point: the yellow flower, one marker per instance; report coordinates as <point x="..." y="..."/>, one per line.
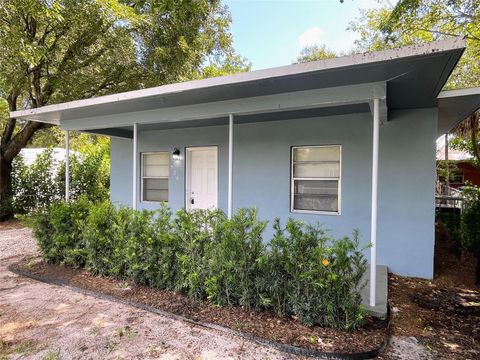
<point x="325" y="262"/>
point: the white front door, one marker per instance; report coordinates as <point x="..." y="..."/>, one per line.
<point x="202" y="178"/>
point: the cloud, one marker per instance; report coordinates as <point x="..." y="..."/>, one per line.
<point x="310" y="37"/>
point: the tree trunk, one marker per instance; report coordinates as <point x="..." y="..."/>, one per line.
<point x="6" y="193"/>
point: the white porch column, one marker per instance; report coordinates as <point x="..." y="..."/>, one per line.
<point x="230" y="166"/>
<point x="134" y="172"/>
<point x="373" y="227"/>
<point x="67" y="165"/>
<point x="447" y="166"/>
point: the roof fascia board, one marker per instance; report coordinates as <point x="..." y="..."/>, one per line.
<point x="327" y="97"/>
<point x="459" y="92"/>
<point x="283" y="71"/>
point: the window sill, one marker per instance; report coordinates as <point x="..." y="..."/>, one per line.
<point x="153" y="202"/>
<point x="313" y="212"/>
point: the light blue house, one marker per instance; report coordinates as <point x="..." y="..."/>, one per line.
<point x="347" y="142"/>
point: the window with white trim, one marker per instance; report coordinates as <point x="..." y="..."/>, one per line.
<point x="316" y="175"/>
<point x="155" y="168"/>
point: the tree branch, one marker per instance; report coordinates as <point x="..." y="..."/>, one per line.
<point x="21" y="139"/>
<point x="10" y="127"/>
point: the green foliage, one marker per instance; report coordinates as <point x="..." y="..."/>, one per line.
<point x="470" y="224"/>
<point x="446" y="169"/>
<point x="233" y="260"/>
<point x="418" y="21"/>
<point x="314" y="53"/>
<point x="451" y="221"/>
<point x="464" y="227"/>
<point x="59" y="231"/>
<point x="467" y="137"/>
<point x="105" y="249"/>
<point x="43" y="182"/>
<point x="302" y="272"/>
<point x="315" y="277"/>
<point x="61" y="50"/>
<point x="35" y="186"/>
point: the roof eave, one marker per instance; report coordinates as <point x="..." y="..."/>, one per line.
<point x="51" y="113"/>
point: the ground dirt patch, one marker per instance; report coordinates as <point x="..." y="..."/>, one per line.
<point x="262" y="324"/>
<point x="444" y="314"/>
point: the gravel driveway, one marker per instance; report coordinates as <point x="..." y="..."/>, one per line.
<point x="40" y="321"/>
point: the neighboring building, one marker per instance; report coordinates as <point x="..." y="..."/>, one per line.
<point x="296" y="141"/>
<point x="29" y="155"/>
<point x="462" y="170"/>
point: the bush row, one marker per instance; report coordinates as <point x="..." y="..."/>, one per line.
<point x="302" y="272"/>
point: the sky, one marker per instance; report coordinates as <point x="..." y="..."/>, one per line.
<point x="271" y="33"/>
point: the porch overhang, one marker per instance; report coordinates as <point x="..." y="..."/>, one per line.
<point x="331" y="86"/>
<point x="456" y="105"/>
<point x="336" y="100"/>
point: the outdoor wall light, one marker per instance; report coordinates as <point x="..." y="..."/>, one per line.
<point x="176" y="154"/>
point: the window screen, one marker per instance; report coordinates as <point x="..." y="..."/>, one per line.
<point x="316" y="178"/>
<point x="155" y="167"/>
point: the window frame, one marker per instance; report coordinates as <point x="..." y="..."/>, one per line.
<point x="292" y="182"/>
<point x="142" y="176"/>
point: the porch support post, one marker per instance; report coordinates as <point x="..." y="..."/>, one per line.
<point x="230" y="166"/>
<point x="134" y="172"/>
<point x="373" y="227"/>
<point x="67" y="165"/>
<point x="447" y="166"/>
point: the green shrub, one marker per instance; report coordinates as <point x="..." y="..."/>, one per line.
<point x="192" y="231"/>
<point x="302" y="272"/>
<point x="451" y="220"/>
<point x="140" y="245"/>
<point x="43" y="182"/>
<point x="232" y="260"/>
<point x="103" y="241"/>
<point x="35" y="186"/>
<point x="314" y="277"/>
<point x="470" y="224"/>
<point x="59" y="231"/>
<point x="163" y="262"/>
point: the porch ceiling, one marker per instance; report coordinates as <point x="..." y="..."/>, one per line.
<point x="398" y="69"/>
<point x="127" y="131"/>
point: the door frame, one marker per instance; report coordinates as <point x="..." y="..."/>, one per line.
<point x="188" y="152"/>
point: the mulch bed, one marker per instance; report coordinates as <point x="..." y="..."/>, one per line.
<point x="265" y="325"/>
<point x="444" y="314"/>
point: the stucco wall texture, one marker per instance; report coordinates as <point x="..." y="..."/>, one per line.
<point x="261" y="176"/>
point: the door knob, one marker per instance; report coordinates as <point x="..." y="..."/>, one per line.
<point x="192" y="201"/>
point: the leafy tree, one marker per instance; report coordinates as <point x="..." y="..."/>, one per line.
<point x="467" y="137"/>
<point x="315" y="52"/>
<point x="60" y="50"/>
<point x="419" y="21"/>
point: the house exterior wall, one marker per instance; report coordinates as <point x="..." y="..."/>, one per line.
<point x="262" y="176"/>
